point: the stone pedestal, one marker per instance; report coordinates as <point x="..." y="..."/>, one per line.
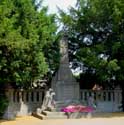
<point x="64" y="84"/>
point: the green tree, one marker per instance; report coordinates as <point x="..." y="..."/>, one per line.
<point x="97" y="26"/>
<point x="25" y="31"/>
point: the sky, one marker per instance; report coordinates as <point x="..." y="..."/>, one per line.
<point x="62" y="4"/>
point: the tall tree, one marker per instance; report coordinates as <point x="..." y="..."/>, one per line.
<point x="25" y="31"/>
<point x="97" y="28"/>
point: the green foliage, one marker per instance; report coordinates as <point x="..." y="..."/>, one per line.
<point x="3" y="103"/>
<point x="25" y="31"/>
<point x="97" y="27"/>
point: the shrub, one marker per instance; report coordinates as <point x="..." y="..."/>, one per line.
<point x="3" y="103"/>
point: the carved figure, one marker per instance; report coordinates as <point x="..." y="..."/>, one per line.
<point x="48" y="100"/>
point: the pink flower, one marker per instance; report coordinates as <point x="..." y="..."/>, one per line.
<point x="78" y="108"/>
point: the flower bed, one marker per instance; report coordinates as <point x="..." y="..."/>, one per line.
<point x="77" y="108"/>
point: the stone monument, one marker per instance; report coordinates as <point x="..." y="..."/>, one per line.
<point x="46" y="100"/>
<point x="64" y="84"/>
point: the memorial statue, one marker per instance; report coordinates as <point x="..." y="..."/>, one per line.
<point x="48" y="102"/>
<point x="51" y="103"/>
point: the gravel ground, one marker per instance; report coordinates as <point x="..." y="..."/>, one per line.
<point x="30" y="120"/>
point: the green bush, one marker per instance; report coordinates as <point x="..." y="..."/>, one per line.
<point x="3" y="104"/>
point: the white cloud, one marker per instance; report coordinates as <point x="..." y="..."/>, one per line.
<point x="63" y="4"/>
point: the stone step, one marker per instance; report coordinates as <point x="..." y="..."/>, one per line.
<point x="48" y="113"/>
<point x="56" y="117"/>
<point x="39" y="115"/>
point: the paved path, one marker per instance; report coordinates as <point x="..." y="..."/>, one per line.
<point x="30" y="120"/>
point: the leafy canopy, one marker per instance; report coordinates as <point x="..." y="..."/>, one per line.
<point x="25" y="31"/>
<point x="96" y="31"/>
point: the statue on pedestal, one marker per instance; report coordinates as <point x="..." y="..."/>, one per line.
<point x="48" y="101"/>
